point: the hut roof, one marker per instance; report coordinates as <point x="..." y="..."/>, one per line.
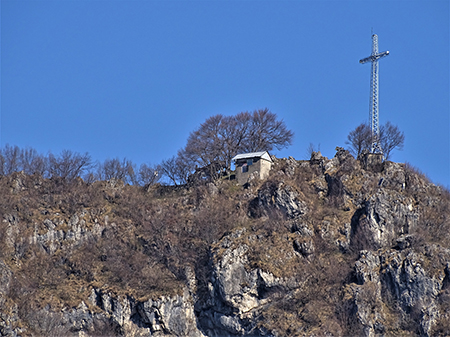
<point x="263" y="154"/>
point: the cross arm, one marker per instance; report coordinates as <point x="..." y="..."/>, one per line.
<point x="375" y="57"/>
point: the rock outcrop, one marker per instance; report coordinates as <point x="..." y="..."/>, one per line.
<point x="166" y="316"/>
<point x="323" y="247"/>
<point x="276" y="196"/>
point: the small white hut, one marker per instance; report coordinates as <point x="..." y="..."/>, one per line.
<point x="259" y="163"/>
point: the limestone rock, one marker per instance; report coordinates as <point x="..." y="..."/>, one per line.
<point x="168" y="316"/>
<point x="394" y="277"/>
<point x="8" y="318"/>
<point x="325" y="247"/>
<point x="277" y="196"/>
<point x="385" y="216"/>
<point x="318" y="159"/>
<point x="237" y="291"/>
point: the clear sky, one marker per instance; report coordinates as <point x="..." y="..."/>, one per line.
<point x="133" y="78"/>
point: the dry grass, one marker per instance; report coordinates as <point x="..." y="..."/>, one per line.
<point x="148" y="238"/>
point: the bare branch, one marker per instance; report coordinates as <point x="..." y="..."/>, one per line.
<point x="391" y="138"/>
<point x="148" y="175"/>
<point x="68" y="164"/>
<point x="360" y="139"/>
<point x="220" y="137"/>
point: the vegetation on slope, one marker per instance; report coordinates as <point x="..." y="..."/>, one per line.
<point x="60" y="238"/>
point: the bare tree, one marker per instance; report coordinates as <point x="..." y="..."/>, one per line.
<point x="2" y="164"/>
<point x="32" y="162"/>
<point x="176" y="169"/>
<point x="206" y="145"/>
<point x="117" y="169"/>
<point x="220" y="137"/>
<point x="360" y="139"/>
<point x="391" y="138"/>
<point x="267" y="133"/>
<point x="148" y="175"/>
<point x="14" y="159"/>
<point x="10" y="159"/>
<point x="68" y="164"/>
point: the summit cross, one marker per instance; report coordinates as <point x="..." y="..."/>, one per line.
<point x="374" y="57"/>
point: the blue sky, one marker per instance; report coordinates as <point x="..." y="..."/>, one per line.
<point x="133" y="78"/>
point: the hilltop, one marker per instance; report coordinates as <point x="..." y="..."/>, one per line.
<point x="322" y="247"/>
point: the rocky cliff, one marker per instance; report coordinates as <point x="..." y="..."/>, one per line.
<point x="324" y="247"/>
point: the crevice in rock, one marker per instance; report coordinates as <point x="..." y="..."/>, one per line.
<point x="446" y="280"/>
<point x="358" y="238"/>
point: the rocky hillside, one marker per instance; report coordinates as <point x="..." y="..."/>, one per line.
<point x="325" y="247"/>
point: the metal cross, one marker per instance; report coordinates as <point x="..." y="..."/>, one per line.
<point x="374" y="57"/>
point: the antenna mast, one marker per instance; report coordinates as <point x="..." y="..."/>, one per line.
<point x="374" y="57"/>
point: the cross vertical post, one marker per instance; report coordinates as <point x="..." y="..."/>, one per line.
<point x="373" y="58"/>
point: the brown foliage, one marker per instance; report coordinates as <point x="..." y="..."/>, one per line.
<point x="149" y="238"/>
